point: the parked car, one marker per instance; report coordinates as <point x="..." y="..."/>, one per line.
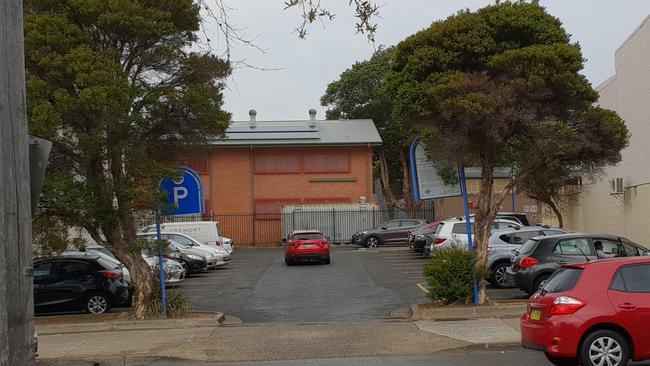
<point x="391" y="232"/>
<point x="539" y="257"/>
<point x="95" y="251"/>
<point x="453" y="232"/>
<point x="174" y="271"/>
<point x="193" y="260"/>
<point x="83" y="282"/>
<point x="305" y="245"/>
<point x="502" y="247"/>
<point x="594" y="313"/>
<point x="417" y="238"/>
<point x="217" y="256"/>
<point x="206" y="232"/>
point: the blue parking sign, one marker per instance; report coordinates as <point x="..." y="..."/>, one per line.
<point x="187" y="195"/>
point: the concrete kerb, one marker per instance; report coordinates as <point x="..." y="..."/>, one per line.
<point x="430" y="311"/>
<point x="197" y="320"/>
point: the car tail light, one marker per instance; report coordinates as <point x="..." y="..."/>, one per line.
<point x="440" y="240"/>
<point x="566" y="305"/>
<point x="168" y="255"/>
<point x="218" y="243"/>
<point x="527" y="262"/>
<point x="489" y="249"/>
<point x="111" y="274"/>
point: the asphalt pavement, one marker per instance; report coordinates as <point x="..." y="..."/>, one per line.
<point x="358" y="286"/>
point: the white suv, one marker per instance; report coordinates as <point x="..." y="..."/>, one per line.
<point x="453" y="232"/>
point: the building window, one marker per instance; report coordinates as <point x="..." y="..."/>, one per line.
<point x="270" y="209"/>
<point x="269" y="163"/>
<point x="327" y="163"/>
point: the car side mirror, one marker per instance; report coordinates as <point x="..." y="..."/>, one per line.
<point x="384" y="228"/>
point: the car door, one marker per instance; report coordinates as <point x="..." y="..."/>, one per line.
<point x="390" y="231"/>
<point x="572" y="250"/>
<point x="75" y="279"/>
<point x="611" y="247"/>
<point x="630" y="296"/>
<point x="44" y="275"/>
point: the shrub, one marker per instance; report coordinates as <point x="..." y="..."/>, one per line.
<point x="177" y="304"/>
<point x="450" y="275"/>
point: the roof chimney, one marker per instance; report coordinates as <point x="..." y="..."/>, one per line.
<point x="312" y="118"/>
<point x="253" y="118"/>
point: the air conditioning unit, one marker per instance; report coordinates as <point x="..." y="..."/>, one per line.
<point x="616" y="186"/>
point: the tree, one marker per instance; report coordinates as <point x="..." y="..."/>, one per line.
<point x="360" y="92"/>
<point x="501" y="86"/>
<point x="114" y="86"/>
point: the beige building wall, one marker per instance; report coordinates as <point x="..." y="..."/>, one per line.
<point x="627" y="93"/>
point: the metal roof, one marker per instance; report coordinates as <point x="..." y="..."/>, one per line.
<point x="353" y="132"/>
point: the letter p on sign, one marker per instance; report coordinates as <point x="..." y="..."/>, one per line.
<point x="179" y="193"/>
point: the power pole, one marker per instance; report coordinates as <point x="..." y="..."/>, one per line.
<point x="16" y="293"/>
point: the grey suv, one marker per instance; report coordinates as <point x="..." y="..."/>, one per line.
<point x="391" y="232"/>
<point x="539" y="257"/>
<point x="502" y="246"/>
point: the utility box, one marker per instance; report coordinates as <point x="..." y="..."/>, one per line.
<point x="336" y="221"/>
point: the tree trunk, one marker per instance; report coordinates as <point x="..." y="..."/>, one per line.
<point x="485" y="214"/>
<point x="407" y="187"/>
<point x="557" y="213"/>
<point x="142" y="279"/>
<point x="385" y="180"/>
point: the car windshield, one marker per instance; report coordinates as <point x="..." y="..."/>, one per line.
<point x="307" y="236"/>
<point x="528" y="247"/>
<point x="563" y="280"/>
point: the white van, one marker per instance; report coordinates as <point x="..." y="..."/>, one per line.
<point x="207" y="232"/>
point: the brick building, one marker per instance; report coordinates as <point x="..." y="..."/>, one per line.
<point x="260" y="166"/>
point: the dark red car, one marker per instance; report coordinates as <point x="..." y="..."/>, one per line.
<point x="306" y="245"/>
<point x="594" y="313"/>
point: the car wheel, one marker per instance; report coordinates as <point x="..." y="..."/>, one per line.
<point x="97" y="304"/>
<point x="372" y="242"/>
<point x="538" y="282"/>
<point x="499" y="275"/>
<point x="561" y="361"/>
<point x="187" y="269"/>
<point x="604" y="347"/>
<point x="288" y="262"/>
<point x="327" y="260"/>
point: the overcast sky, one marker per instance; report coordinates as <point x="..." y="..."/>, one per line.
<point x="307" y="66"/>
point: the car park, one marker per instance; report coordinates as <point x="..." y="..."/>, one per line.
<point x="539" y="257"/>
<point x="78" y="282"/>
<point x="206" y="232"/>
<point x="502" y="246"/>
<point x="453" y="232"/>
<point x="391" y="232"/>
<point x="417" y="238"/>
<point x="217" y="255"/>
<point x="306" y="245"/>
<point x="592" y="313"/>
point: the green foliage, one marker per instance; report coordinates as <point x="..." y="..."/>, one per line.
<point x="116" y="88"/>
<point x="450" y="275"/>
<point x="177" y="303"/>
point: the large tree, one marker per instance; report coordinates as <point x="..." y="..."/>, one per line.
<point x="501" y="86"/>
<point x="360" y="92"/>
<point x="116" y="88"/>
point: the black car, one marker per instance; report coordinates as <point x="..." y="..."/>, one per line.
<point x="539" y="257"/>
<point x="84" y="282"/>
<point x="418" y="238"/>
<point x="391" y="232"/>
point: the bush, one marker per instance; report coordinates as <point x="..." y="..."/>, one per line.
<point x="177" y="304"/>
<point x="450" y="275"/>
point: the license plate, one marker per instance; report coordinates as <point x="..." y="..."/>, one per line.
<point x="307" y="246"/>
<point x="535" y="314"/>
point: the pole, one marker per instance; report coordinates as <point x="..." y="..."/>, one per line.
<point x="513" y="191"/>
<point x="468" y="225"/>
<point x="16" y="287"/>
<point x="161" y="264"/>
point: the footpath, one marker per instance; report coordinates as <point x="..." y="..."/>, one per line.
<point x="114" y="340"/>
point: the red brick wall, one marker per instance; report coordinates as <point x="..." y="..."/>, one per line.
<point x="233" y="187"/>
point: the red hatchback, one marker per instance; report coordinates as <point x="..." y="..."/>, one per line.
<point x="595" y="313"/>
<point x="306" y="245"/>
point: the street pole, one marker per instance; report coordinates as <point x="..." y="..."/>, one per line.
<point x="468" y="226"/>
<point x="514" y="191"/>
<point x="16" y="291"/>
<point x="161" y="264"/>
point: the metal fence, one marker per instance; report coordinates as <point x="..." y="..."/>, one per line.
<point x="268" y="229"/>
